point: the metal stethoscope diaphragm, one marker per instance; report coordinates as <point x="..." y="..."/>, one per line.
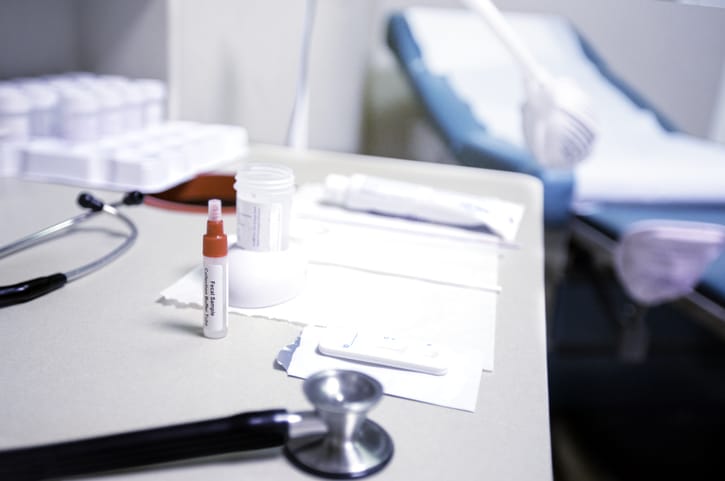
<point x="336" y="440"/>
<point x="33" y="288"/>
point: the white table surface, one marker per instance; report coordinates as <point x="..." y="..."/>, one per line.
<point x="101" y="355"/>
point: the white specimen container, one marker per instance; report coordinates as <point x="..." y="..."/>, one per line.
<point x="153" y="94"/>
<point x="78" y="115"/>
<point x="14" y="113"/>
<point x="264" y="204"/>
<point x="43" y="102"/>
<point x="264" y="269"/>
<point x="131" y="98"/>
<point x="14" y="127"/>
<point x="111" y="114"/>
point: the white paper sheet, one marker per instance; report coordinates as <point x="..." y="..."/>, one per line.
<point x="457" y="389"/>
<point x="339" y="296"/>
<point x="403" y="277"/>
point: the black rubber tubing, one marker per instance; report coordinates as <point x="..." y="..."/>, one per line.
<point x="28" y="290"/>
<point x="241" y="432"/>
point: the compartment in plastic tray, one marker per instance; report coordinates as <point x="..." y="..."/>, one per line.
<point x="151" y="160"/>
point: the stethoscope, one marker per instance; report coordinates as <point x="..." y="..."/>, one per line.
<point x="336" y="440"/>
<point x="33" y="288"/>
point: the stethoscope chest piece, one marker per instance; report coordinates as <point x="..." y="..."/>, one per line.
<point x="354" y="446"/>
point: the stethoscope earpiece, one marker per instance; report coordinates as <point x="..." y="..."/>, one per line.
<point x="88" y="201"/>
<point x="133" y="198"/>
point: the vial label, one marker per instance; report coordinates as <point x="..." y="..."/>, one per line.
<point x="214" y="302"/>
<point x="259" y="226"/>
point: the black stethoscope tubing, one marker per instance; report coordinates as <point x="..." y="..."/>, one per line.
<point x="28" y="290"/>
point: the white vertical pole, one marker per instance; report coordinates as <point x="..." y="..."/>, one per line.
<point x="297" y="135"/>
<point x="717" y="126"/>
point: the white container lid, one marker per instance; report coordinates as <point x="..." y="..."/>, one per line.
<point x="40" y="95"/>
<point x="87" y="82"/>
<point x="106" y="96"/>
<point x="265" y="178"/>
<point x="13" y="100"/>
<point x="62" y="83"/>
<point x="126" y="90"/>
<point x="83" y="76"/>
<point x="76" y="101"/>
<point x="112" y="78"/>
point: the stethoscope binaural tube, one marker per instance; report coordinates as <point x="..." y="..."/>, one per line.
<point x="28" y="290"/>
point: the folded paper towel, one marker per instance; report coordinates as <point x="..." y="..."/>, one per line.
<point x="402" y="276"/>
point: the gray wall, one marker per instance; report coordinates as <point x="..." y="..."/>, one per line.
<point x="127" y="37"/>
<point x="37" y="37"/>
<point x="236" y="61"/>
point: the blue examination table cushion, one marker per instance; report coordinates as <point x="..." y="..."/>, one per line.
<point x="473" y="91"/>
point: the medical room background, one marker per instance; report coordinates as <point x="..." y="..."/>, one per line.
<point x="236" y="61"/>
